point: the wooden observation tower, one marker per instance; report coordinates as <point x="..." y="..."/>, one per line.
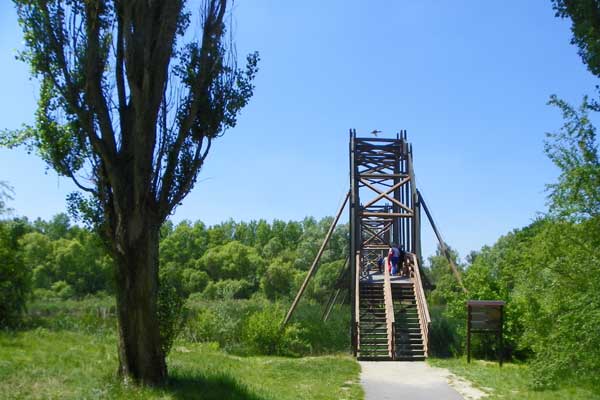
<point x="390" y="317"/>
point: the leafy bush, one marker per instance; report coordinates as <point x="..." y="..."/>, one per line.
<point x="203" y="326"/>
<point x="63" y="290"/>
<point x="262" y="334"/>
<point x="444" y="340"/>
<point x="193" y="280"/>
<point x="228" y="289"/>
<point x="329" y="336"/>
<point x="277" y="281"/>
<point x="15" y="279"/>
<point x="170" y="312"/>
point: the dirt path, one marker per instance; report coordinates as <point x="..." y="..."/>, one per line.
<point x="413" y="381"/>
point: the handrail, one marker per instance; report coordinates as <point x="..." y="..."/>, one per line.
<point x="423" y="309"/>
<point x="389" y="311"/>
<point x="357" y="303"/>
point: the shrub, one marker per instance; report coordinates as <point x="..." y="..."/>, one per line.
<point x="203" y="326"/>
<point x="193" y="280"/>
<point x="277" y="281"/>
<point x="262" y="334"/>
<point x="15" y="279"/>
<point x="228" y="289"/>
<point x="229" y="317"/>
<point x="328" y="336"/>
<point x="292" y="342"/>
<point x="444" y="340"/>
<point x="63" y="290"/>
<point x="170" y="312"/>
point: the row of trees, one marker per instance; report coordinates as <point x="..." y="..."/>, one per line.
<point x="228" y="260"/>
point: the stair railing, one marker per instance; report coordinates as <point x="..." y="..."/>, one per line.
<point x="390" y="320"/>
<point x="423" y="309"/>
<point x="357" y="304"/>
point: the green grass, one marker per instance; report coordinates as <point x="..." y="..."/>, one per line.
<point x="45" y="364"/>
<point x="511" y="381"/>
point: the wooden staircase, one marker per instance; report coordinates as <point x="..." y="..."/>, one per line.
<point x="373" y="337"/>
<point x="392" y="322"/>
<point x="408" y="335"/>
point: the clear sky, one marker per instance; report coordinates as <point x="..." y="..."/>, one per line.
<point x="469" y="80"/>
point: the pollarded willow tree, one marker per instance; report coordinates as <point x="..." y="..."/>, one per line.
<point x="129" y="106"/>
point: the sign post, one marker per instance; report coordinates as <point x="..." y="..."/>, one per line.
<point x="485" y="316"/>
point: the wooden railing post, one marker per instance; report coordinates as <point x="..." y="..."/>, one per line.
<point x="357" y="304"/>
<point x="390" y="319"/>
<point x="423" y="309"/>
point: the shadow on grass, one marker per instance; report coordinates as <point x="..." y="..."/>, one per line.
<point x="217" y="386"/>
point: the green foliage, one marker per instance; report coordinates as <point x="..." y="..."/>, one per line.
<point x="63" y="290"/>
<point x="76" y="257"/>
<point x="57" y="251"/>
<point x="233" y="260"/>
<point x="227" y="322"/>
<point x="15" y="278"/>
<point x="228" y="289"/>
<point x="169" y="312"/>
<point x="327" y="337"/>
<point x="277" y="281"/>
<point x="325" y="279"/>
<point x="545" y="273"/>
<point x="6" y="193"/>
<point x="574" y="149"/>
<point x="204" y="326"/>
<point x="262" y="334"/>
<point x="219" y="321"/>
<point x="444" y="339"/>
<point x="585" y="17"/>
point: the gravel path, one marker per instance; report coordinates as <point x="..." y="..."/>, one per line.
<point x="406" y="381"/>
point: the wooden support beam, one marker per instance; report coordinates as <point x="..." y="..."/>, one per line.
<point x="386" y="215"/>
<point x="382" y="176"/>
<point x="386" y="193"/>
<point x="313" y="267"/>
<point x="337" y="286"/>
<point x="445" y="250"/>
<point x="330" y="305"/>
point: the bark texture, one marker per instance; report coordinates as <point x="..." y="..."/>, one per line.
<point x="140" y="351"/>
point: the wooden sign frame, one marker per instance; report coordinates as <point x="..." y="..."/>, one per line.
<point x="485" y="316"/>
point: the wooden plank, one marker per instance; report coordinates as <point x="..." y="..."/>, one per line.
<point x="486" y="303"/>
<point x="484" y="325"/>
<point x="468" y="333"/>
<point x="382" y="176"/>
<point x="388" y="215"/>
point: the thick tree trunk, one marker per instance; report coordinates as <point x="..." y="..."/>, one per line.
<point x="140" y="355"/>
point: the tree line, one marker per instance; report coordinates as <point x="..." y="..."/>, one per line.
<point x="231" y="260"/>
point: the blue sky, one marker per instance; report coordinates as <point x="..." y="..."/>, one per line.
<point x="469" y="80"/>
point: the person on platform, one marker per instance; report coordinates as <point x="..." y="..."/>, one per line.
<point x="393" y="258"/>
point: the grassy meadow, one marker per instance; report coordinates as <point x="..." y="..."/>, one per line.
<point x="67" y="350"/>
<point x="511" y="381"/>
